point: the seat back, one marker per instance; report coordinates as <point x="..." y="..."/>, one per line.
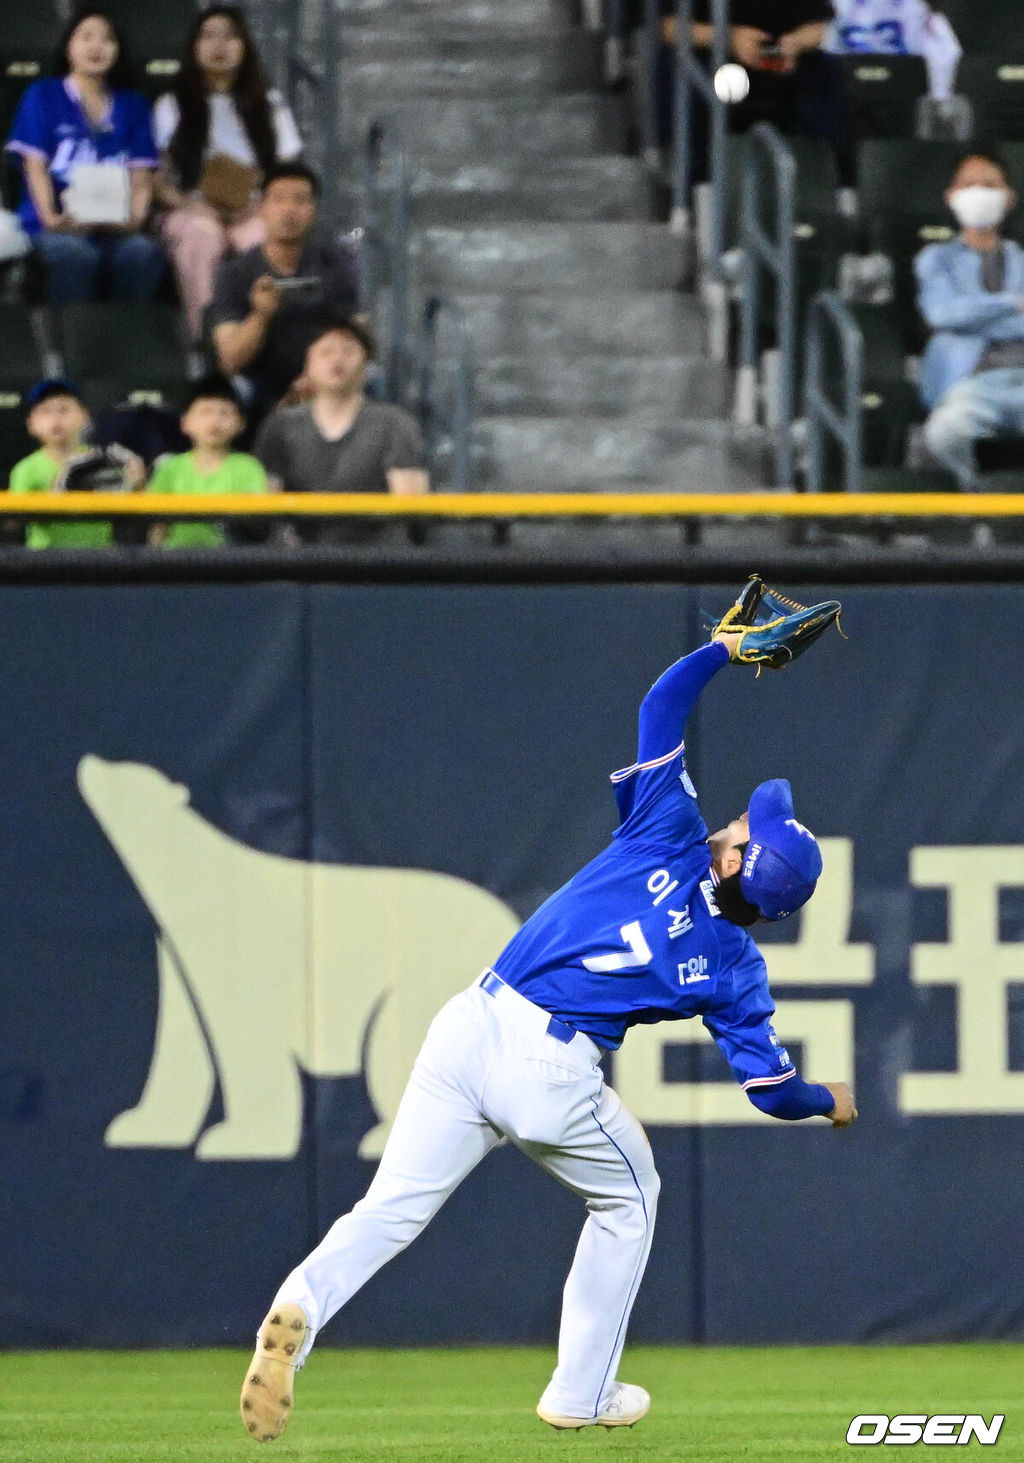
<point x="155" y="32"/>
<point x="985" y="26"/>
<point x="120" y="352"/>
<point x="994" y="86"/>
<point x="883" y="93"/>
<point x="902" y="175"/>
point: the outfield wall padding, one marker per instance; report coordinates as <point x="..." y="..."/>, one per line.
<point x="254" y="835"/>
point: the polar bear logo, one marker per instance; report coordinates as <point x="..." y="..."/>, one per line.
<point x="267" y="965"/>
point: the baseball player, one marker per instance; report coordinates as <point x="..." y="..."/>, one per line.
<point x="650" y="930"/>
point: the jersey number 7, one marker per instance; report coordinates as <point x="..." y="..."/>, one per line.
<point x="636" y="958"/>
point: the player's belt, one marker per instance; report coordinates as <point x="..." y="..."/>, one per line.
<point x="492" y="983"/>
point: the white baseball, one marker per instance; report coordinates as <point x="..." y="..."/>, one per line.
<point x="731" y="83"/>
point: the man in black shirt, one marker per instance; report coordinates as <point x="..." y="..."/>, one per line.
<point x="270" y="303"/>
<point x="793" y="82"/>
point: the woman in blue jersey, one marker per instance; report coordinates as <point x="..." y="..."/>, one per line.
<point x="87" y="115"/>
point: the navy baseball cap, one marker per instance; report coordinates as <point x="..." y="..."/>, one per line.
<point x="52" y="386"/>
<point x="782" y="864"/>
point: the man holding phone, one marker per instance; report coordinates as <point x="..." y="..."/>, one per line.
<point x="793" y="82"/>
<point x="270" y="302"/>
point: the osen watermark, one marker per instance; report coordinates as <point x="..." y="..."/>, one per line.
<point x="917" y="1427"/>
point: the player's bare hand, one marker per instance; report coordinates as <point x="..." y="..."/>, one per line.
<point x="729" y="640"/>
<point x="264" y="297"/>
<point x="844" y="1112"/>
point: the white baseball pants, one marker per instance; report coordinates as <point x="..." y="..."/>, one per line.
<point x="488" y="1069"/>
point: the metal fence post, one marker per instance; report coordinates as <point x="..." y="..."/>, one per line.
<point x="692" y="80"/>
<point x="391" y="240"/>
<point x="437" y="311"/>
<point x="827" y="310"/>
<point x="768" y="153"/>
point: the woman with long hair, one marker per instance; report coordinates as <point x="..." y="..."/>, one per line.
<point x="219" y="131"/>
<point x="87" y="156"/>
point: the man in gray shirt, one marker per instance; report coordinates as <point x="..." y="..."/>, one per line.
<point x="271" y="301"/>
<point x="339" y="441"/>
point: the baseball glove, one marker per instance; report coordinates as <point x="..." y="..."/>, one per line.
<point x="785" y="630"/>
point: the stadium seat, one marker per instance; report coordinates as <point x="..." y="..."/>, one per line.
<point x="883" y="93"/>
<point x="902" y="209"/>
<point x="985" y="26"/>
<point x="155" y="32"/>
<point x="22" y="354"/>
<point x="889" y="402"/>
<point x="32" y="28"/>
<point x="22" y="366"/>
<point x="28" y="40"/>
<point x="905" y="176"/>
<point x="994" y="86"/>
<point x="122" y="352"/>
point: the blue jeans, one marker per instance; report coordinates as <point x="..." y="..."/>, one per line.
<point x="989" y="404"/>
<point x="133" y="264"/>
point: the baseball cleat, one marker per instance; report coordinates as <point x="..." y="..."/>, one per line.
<point x="269" y="1387"/>
<point x="627" y="1406"/>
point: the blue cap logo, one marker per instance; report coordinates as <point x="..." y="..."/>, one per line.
<point x="783" y="860"/>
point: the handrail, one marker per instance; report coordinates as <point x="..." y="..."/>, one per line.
<point x="436" y="309"/>
<point x="691" y="78"/>
<point x="514" y="505"/>
<point x="824" y="419"/>
<point x="388" y="236"/>
<point x="773" y="253"/>
<point x="279" y="25"/>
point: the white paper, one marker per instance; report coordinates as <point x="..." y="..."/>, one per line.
<point x="99" y="193"/>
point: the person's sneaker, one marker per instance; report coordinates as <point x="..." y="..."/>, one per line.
<point x="269" y="1387"/>
<point x="627" y="1406"/>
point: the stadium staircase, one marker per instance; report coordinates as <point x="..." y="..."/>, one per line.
<point x="529" y="212"/>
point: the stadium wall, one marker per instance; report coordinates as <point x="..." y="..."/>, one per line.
<point x="219" y="956"/>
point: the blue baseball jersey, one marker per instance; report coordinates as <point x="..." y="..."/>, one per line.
<point x="636" y="936"/>
<point x="50" y="123"/>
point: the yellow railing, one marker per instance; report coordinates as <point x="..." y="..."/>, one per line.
<point x="516" y="505"/>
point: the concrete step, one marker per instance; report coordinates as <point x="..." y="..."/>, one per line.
<point x="504" y="73"/>
<point x="578" y="124"/>
<point x="676" y="386"/>
<point x="622" y="322"/>
<point x="576" y="453"/>
<point x="583" y="258"/>
<point x="486" y="44"/>
<point x="447" y="15"/>
<point x="599" y="189"/>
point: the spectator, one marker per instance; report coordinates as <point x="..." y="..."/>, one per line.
<point x="212" y="421"/>
<point x="219" y="131"/>
<point x="59" y="421"/>
<point x="793" y="83"/>
<point x="899" y="28"/>
<point x="971" y="294"/>
<point x="270" y="303"/>
<point x="340" y="441"/>
<point x="87" y="224"/>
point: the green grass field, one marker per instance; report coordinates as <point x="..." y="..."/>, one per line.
<point x="477" y="1406"/>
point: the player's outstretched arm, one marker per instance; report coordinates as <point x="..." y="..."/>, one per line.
<point x="667" y="705"/>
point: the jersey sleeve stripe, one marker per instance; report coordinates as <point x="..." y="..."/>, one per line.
<point x="625" y="772"/>
<point x="768" y="1081"/>
<point x="25" y="149"/>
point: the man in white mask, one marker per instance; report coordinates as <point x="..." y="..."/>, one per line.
<point x="971" y="294"/>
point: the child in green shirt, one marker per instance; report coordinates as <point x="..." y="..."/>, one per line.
<point x="58" y="419"/>
<point x="212" y="421"/>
